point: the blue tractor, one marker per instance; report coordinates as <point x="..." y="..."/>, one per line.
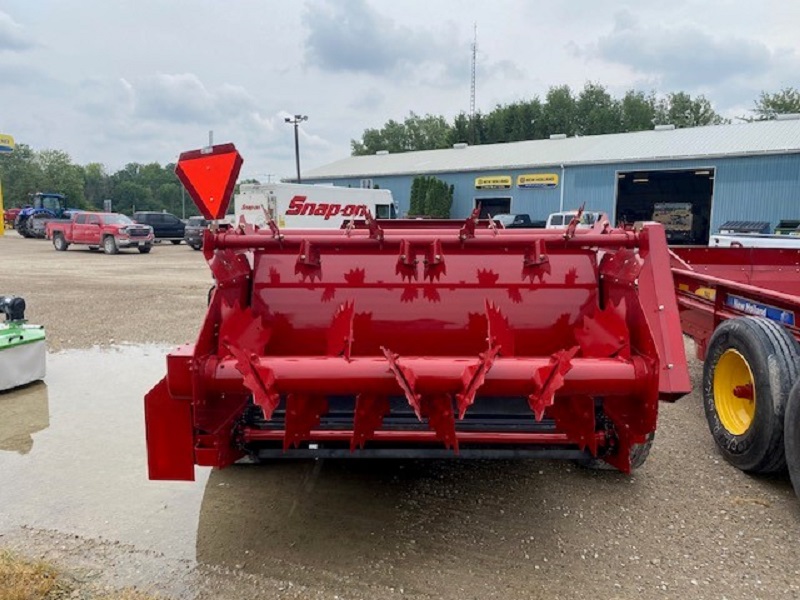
<point x="31" y="220"/>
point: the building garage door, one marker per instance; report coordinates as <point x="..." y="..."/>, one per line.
<point x="493" y="206"/>
<point x="681" y="200"/>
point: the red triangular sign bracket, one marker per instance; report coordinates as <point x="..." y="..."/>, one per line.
<point x="209" y="176"/>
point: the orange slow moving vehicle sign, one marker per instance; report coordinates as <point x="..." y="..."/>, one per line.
<point x="209" y="176"/>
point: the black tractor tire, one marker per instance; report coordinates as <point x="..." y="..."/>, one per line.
<point x="768" y="356"/>
<point x="638" y="455"/>
<point x="145" y="249"/>
<point x="176" y="242"/>
<point x="60" y="242"/>
<point x="791" y="436"/>
<point x="197" y="246"/>
<point x="110" y="245"/>
<point x="38" y="228"/>
<point x="22" y="227"/>
<point x="30" y="232"/>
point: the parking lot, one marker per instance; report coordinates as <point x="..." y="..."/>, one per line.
<point x="73" y="484"/>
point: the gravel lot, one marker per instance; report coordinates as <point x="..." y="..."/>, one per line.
<point x="686" y="525"/>
<point x="87" y="298"/>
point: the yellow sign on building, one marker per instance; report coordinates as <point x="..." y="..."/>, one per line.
<point x="493" y="182"/>
<point x="538" y="181"/>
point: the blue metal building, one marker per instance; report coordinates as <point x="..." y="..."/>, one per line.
<point x="743" y="172"/>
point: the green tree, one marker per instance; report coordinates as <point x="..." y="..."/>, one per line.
<point x="59" y="174"/>
<point x="20" y="175"/>
<point x="461" y="131"/>
<point x="438" y="199"/>
<point x="129" y="196"/>
<point x="416" y="203"/>
<point x="168" y="196"/>
<point x="559" y="111"/>
<point x="431" y="197"/>
<point x="638" y="111"/>
<point x="495" y="127"/>
<point x="596" y="111"/>
<point x="768" y="106"/>
<point x="681" y="110"/>
<point x="391" y="138"/>
<point x="95" y="184"/>
<point x="593" y="111"/>
<point x="414" y="133"/>
<point x="523" y="120"/>
<point x="426" y="133"/>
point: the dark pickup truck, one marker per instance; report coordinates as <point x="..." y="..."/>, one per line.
<point x="521" y="221"/>
<point x="193" y="233"/>
<point x="165" y="226"/>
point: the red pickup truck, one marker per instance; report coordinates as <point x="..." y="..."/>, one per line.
<point x="111" y="231"/>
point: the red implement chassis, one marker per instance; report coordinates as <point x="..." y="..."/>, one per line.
<point x="717" y="284"/>
<point x="742" y="308"/>
<point x="456" y="340"/>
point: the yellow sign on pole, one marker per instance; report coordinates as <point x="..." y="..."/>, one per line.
<point x="6" y="145"/>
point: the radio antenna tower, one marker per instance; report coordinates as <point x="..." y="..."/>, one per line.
<point x="472" y="82"/>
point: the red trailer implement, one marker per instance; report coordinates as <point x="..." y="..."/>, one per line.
<point x="742" y="307"/>
<point x="459" y="339"/>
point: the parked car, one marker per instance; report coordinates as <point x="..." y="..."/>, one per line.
<point x="165" y="226"/>
<point x="562" y="219"/>
<point x="109" y="231"/>
<point x="195" y="226"/>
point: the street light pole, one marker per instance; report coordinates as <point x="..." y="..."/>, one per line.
<point x="296" y="120"/>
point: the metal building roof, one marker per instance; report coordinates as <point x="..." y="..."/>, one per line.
<point x="739" y="139"/>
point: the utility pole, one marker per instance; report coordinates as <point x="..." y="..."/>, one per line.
<point x="472" y="83"/>
<point x="296" y="120"/>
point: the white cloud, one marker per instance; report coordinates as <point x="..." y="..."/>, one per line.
<point x="726" y="67"/>
<point x="143" y="80"/>
<point x="13" y="37"/>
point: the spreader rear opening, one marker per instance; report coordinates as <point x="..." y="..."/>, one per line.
<point x="494" y="428"/>
<point x="501" y="415"/>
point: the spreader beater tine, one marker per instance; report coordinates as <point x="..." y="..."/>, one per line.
<point x="368" y="417"/>
<point x="549" y="379"/>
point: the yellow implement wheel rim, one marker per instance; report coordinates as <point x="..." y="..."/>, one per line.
<point x="732" y="375"/>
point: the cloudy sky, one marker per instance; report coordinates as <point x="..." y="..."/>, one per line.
<point x="118" y="81"/>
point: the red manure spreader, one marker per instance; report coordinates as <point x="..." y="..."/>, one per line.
<point x="416" y="339"/>
<point x="742" y="307"/>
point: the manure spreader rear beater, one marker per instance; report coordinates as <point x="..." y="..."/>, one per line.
<point x="406" y="339"/>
